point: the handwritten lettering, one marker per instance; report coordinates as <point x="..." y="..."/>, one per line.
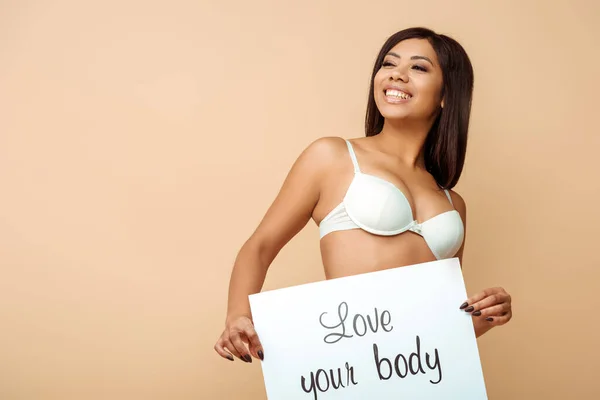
<point x="342" y="314"/>
<point x="360" y="325"/>
<point x="321" y="382"/>
<point x="344" y="325"/>
<point x="403" y="367"/>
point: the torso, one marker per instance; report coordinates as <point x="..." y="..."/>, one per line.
<point x="351" y="252"/>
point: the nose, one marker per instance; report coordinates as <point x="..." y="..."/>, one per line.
<point x="399" y="74"/>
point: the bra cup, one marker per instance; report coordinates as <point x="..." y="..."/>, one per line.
<point x="377" y="206"/>
<point x="444" y="234"/>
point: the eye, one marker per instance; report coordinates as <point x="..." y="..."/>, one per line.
<point x="388" y="64"/>
<point x="420" y="68"/>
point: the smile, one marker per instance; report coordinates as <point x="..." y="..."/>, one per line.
<point x="396" y="96"/>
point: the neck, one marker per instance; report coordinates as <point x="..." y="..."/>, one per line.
<point x="404" y="140"/>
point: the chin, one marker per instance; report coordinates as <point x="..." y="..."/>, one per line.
<point x="401" y="113"/>
<point x="396" y="118"/>
<point x="394" y="111"/>
<point x="395" y="114"/>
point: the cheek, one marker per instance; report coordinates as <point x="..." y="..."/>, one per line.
<point x="430" y="93"/>
<point x="378" y="81"/>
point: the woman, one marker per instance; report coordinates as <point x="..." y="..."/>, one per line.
<point x="382" y="201"/>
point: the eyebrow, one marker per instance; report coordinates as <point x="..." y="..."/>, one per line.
<point x="391" y="53"/>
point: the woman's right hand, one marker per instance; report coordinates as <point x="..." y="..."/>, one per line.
<point x="240" y="339"/>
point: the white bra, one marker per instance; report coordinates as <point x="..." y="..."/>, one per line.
<point x="379" y="207"/>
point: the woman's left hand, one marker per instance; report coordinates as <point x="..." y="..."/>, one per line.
<point x="493" y="306"/>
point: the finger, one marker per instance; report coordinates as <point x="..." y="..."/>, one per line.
<point x="476" y="297"/>
<point x="231" y="348"/>
<point x="239" y="345"/>
<point x="480" y="296"/>
<point x="255" y="345"/>
<point x="222" y="352"/>
<point x="498" y="310"/>
<point x="501" y="320"/>
<point x="490" y="301"/>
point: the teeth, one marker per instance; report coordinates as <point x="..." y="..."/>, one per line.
<point x="397" y="93"/>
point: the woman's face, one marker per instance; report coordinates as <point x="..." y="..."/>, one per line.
<point x="409" y="83"/>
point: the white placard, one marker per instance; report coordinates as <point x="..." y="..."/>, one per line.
<point x="391" y="334"/>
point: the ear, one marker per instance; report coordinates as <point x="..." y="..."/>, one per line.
<point x="442" y="103"/>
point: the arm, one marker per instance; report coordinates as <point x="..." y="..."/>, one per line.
<point x="288" y="214"/>
<point x="491" y="307"/>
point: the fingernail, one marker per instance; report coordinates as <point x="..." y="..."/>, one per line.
<point x="229" y="357"/>
<point x="477" y="313"/>
<point x="247" y="358"/>
<point x="261" y="355"/>
<point x="463" y="305"/>
<point x="489" y="319"/>
<point x="471" y="308"/>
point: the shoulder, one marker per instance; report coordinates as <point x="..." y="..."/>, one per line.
<point x="324" y="152"/>
<point x="459" y="204"/>
<point x="325" y="147"/>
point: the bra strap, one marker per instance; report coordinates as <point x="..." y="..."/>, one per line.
<point x="353" y="157"/>
<point x="448" y="195"/>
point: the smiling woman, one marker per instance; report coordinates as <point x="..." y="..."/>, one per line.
<point x="382" y="201"/>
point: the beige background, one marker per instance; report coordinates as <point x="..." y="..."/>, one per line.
<point x="141" y="142"/>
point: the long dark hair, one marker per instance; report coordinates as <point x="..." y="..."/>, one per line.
<point x="446" y="144"/>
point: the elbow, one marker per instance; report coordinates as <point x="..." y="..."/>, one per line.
<point x="260" y="249"/>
